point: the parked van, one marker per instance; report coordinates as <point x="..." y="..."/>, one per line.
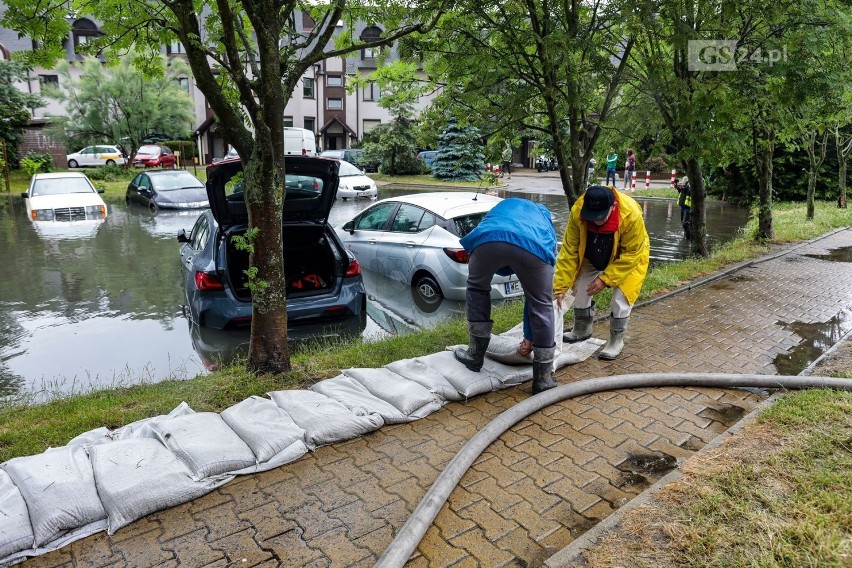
<point x="299" y="142"/>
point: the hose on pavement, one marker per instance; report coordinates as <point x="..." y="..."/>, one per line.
<point x="409" y="536"/>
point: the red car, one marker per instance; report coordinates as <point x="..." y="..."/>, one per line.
<point x="154" y="156"/>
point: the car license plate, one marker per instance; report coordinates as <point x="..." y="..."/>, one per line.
<point x="513" y="287"/>
<point x="362" y="195"/>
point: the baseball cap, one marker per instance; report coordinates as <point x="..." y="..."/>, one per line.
<point x="596" y="203"/>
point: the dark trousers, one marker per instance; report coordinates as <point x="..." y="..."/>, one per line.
<point x="536" y="277"/>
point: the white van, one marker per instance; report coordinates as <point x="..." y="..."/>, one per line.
<point x="299" y="142"/>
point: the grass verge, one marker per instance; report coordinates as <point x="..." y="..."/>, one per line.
<point x="28" y="428"/>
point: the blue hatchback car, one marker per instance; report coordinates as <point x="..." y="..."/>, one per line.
<point x="325" y="290"/>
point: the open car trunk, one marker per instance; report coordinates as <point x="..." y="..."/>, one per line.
<point x="312" y="262"/>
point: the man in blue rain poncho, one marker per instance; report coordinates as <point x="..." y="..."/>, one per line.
<point x="516" y="236"/>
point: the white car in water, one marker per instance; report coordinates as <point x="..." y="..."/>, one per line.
<point x="64" y="197"/>
<point x="415" y="239"/>
<point x="355" y="184"/>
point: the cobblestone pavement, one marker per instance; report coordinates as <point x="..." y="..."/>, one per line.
<point x="545" y="481"/>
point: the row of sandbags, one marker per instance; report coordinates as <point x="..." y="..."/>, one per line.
<point x="104" y="480"/>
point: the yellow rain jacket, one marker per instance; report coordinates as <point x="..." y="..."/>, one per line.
<point x="631" y="250"/>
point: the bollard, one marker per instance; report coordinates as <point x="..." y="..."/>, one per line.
<point x="633" y="181"/>
<point x="674" y="173"/>
<point x="647" y="179"/>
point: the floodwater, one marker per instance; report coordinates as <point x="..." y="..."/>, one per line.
<point x="99" y="305"/>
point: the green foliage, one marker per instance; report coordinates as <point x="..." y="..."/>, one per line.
<point x="37" y="162"/>
<point x="111" y="173"/>
<point x="393" y="144"/>
<point x="120" y="102"/>
<point x="14" y="106"/>
<point x="658" y="163"/>
<point x="461" y="156"/>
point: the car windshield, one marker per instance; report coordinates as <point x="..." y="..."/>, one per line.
<point x="148" y="150"/>
<point x="168" y="181"/>
<point x="347" y="169"/>
<point x="58" y="186"/>
<point x="467" y="223"/>
<point x="296" y="186"/>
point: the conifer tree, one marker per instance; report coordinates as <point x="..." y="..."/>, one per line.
<point x="460" y="157"/>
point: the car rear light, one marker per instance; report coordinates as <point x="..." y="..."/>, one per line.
<point x="335" y="309"/>
<point x="207" y="282"/>
<point x="354" y="269"/>
<point x="458" y="255"/>
<point x="304" y="151"/>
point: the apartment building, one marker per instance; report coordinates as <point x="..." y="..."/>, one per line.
<point x="320" y="103"/>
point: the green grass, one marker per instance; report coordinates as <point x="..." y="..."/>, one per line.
<point x="426" y="179"/>
<point x="29" y="428"/>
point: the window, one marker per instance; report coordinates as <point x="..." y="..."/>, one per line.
<point x="49" y="80"/>
<point x="4" y="53"/>
<point x="334" y="104"/>
<point x="372" y="92"/>
<point x="370" y="34"/>
<point x="375" y="218"/>
<point x="288" y="122"/>
<point x="176" y="47"/>
<point x="370" y="124"/>
<point x="308" y="88"/>
<point x="85" y="31"/>
<point x="310" y="123"/>
<point x="183" y="82"/>
<point x="334" y="80"/>
<point x="407" y="218"/>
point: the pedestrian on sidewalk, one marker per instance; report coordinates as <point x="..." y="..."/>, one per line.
<point x="629" y="168"/>
<point x="506" y="166"/>
<point x="605" y="246"/>
<point x="611" y="163"/>
<point x="502" y="245"/>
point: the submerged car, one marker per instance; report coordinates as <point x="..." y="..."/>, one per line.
<point x="167" y="189"/>
<point x="354" y="184"/>
<point x="104" y="155"/>
<point x="325" y="288"/>
<point x="415" y="239"/>
<point x="64" y="197"/>
<point x="354" y="156"/>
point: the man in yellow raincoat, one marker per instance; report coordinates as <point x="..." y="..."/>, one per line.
<point x="605" y="246"/>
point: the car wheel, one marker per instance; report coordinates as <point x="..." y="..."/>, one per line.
<point x="110" y="162"/>
<point x="344" y="198"/>
<point x="72" y="163"/>
<point x="127" y="200"/>
<point x="153" y="207"/>
<point x="427" y="293"/>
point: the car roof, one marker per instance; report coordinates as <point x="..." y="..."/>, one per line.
<point x="55" y="175"/>
<point x="450" y="204"/>
<point x="163" y="172"/>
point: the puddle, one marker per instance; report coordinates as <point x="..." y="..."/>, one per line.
<point x="692" y="444"/>
<point x="654" y="464"/>
<point x="817" y="338"/>
<point x="630" y="479"/>
<point x="723" y="285"/>
<point x="842" y="254"/>
<point x="727" y="414"/>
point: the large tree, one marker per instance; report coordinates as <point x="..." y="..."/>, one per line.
<point x="246" y="57"/>
<point x="15" y="106"/>
<point x="120" y="102"/>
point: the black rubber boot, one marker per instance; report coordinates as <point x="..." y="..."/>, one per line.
<point x="613" y="347"/>
<point x="583" y="318"/>
<point x="480" y="336"/>
<point x="543" y="369"/>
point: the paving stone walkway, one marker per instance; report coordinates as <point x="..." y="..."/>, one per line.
<point x="547" y="480"/>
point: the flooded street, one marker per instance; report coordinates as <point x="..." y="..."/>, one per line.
<point x="101" y="305"/>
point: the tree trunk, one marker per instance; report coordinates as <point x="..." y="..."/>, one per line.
<point x="697" y="216"/>
<point x="815" y="160"/>
<point x="843" y="149"/>
<point x="763" y="164"/>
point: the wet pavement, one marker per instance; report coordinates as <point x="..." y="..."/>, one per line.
<point x="548" y="479"/>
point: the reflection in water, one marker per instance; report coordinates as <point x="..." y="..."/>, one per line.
<point x="104" y="309"/>
<point x="817" y="338"/>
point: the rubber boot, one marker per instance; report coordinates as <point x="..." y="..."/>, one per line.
<point x="583" y="318"/>
<point x="613" y="347"/>
<point x="543" y="369"/>
<point x="479" y="333"/>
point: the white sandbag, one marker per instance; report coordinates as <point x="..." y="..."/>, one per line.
<point x="142" y="428"/>
<point x="465" y="381"/>
<point x="266" y="429"/>
<point x="16" y="532"/>
<point x="413" y="400"/>
<point x="358" y="399"/>
<point x="205" y="444"/>
<point x="138" y="477"/>
<point x="418" y="371"/>
<point x="323" y="419"/>
<point x="575" y="352"/>
<point x="59" y="489"/>
<point x="100" y="435"/>
<point x="505" y="350"/>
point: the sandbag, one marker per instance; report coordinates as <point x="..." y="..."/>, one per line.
<point x="58" y="487"/>
<point x="468" y="383"/>
<point x="267" y="430"/>
<point x="16" y="532"/>
<point x="418" y="371"/>
<point x="323" y="419"/>
<point x="503" y="348"/>
<point x="142" y="428"/>
<point x="205" y="444"/>
<point x="137" y="477"/>
<point x="358" y="399"/>
<point x="413" y="400"/>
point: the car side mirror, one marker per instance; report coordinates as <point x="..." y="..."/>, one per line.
<point x="349" y="227"/>
<point x="181" y="236"/>
<point x="101" y="190"/>
<point x="24" y="194"/>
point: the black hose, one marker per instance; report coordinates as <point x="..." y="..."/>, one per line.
<point x="409" y="536"/>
